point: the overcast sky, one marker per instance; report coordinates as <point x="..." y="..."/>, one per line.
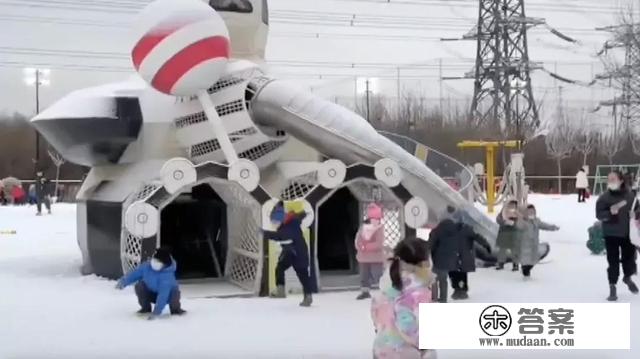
<point x="85" y="43"/>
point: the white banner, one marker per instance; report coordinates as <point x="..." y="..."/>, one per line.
<point x="526" y="326"/>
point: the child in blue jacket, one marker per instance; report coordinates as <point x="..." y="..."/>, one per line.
<point x="295" y="252"/>
<point x="155" y="282"/>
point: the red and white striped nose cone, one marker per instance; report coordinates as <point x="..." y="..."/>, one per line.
<point x="181" y="47"/>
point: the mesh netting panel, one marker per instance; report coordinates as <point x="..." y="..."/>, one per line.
<point x="189" y="120"/>
<point x="242" y="271"/>
<point x="393" y="228"/>
<point x="261" y="150"/>
<point x="231" y="107"/>
<point x="299" y="187"/>
<point x="131" y="251"/>
<point x="245" y="240"/>
<point x="145" y="192"/>
<point x="224" y="83"/>
<point x="246" y="132"/>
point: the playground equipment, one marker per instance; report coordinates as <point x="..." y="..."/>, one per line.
<point x="602" y="171"/>
<point x="199" y="168"/>
<point x="490" y="151"/>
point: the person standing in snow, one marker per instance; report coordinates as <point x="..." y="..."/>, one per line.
<point x="155" y="282"/>
<point x="507" y="240"/>
<point x="42" y="193"/>
<point x="582" y="183"/>
<point x="529" y="227"/>
<point x="613" y="209"/>
<point x="452" y="244"/>
<point x="394" y="309"/>
<point x="295" y="252"/>
<point x="370" y="250"/>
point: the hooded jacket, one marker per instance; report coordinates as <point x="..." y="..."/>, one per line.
<point x="370" y="243"/>
<point x="161" y="282"/>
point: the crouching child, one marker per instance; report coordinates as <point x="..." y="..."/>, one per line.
<point x="529" y="228"/>
<point x="155" y="283"/>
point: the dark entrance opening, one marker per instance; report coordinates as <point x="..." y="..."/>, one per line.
<point x="337" y="227"/>
<point x="194" y="227"/>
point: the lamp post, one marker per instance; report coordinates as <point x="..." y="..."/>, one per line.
<point x="517" y="86"/>
<point x="37" y="77"/>
<point x="370" y="87"/>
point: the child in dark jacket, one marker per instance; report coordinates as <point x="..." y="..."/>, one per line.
<point x="452" y="248"/>
<point x="155" y="282"/>
<point x="295" y="252"/>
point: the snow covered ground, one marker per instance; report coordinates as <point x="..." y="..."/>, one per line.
<point x="48" y="310"/>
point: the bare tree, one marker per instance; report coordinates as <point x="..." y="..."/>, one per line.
<point x="560" y="142"/>
<point x="58" y="161"/>
<point x="586" y="138"/>
<point x="610" y="142"/>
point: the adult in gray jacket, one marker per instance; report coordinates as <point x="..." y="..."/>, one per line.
<point x="613" y="209"/>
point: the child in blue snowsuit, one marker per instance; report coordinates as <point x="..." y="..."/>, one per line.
<point x="295" y="252"/>
<point x="155" y="282"/>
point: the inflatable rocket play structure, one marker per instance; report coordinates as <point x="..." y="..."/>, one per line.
<point x="194" y="151"/>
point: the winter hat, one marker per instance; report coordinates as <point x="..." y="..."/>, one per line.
<point x="163" y="255"/>
<point x="278" y="213"/>
<point x="374" y="211"/>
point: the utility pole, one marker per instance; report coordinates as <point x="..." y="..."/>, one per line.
<point x="367" y="95"/>
<point x="37" y="112"/>
<point x="37" y="77"/>
<point x="441" y="98"/>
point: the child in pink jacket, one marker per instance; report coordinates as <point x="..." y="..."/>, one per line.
<point x="395" y="309"/>
<point x="370" y="247"/>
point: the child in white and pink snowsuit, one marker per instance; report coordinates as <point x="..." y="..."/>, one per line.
<point x="370" y="247"/>
<point x="395" y="308"/>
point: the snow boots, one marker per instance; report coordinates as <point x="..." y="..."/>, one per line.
<point x="515" y="268"/>
<point x="363" y="295"/>
<point x="144" y="311"/>
<point x="178" y="311"/>
<point x="279" y="292"/>
<point x="633" y="288"/>
<point x="459" y="294"/>
<point x="306" y="301"/>
<point x="500" y="266"/>
<point x="613" y="294"/>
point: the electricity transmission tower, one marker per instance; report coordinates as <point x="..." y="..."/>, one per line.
<point x="625" y="76"/>
<point x="503" y="97"/>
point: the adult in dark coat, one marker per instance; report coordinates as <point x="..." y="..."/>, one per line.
<point x="612" y="209"/>
<point x="43" y="192"/>
<point x="295" y="252"/>
<point x="452" y="249"/>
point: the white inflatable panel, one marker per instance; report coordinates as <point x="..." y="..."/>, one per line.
<point x="246" y="173"/>
<point x="416" y="213"/>
<point x="178" y="173"/>
<point x="142" y="219"/>
<point x="332" y="173"/>
<point x="388" y="172"/>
